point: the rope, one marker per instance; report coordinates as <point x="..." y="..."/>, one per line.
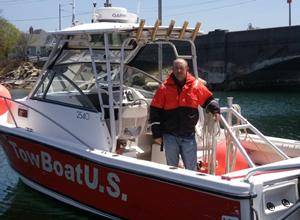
<point x="211" y="129"/>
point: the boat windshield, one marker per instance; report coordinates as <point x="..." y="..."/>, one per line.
<point x="83" y="56"/>
<point x="71" y="80"/>
<point x="71" y="83"/>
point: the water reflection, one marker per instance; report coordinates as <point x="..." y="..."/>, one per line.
<point x="8" y="182"/>
<point x="30" y="204"/>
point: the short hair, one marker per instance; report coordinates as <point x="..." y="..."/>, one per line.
<point x="180" y="60"/>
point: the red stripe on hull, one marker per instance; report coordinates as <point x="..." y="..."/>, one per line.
<point x="110" y="190"/>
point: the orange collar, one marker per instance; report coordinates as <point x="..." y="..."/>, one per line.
<point x="190" y="79"/>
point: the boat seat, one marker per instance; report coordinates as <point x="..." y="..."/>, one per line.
<point x="133" y="118"/>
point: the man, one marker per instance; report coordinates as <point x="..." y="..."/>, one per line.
<point x="174" y="114"/>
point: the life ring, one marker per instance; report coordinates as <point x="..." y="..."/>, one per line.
<point x="240" y="162"/>
<point x="4" y="104"/>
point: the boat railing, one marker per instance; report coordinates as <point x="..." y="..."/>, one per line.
<point x="233" y="142"/>
<point x="7" y="100"/>
<point x="162" y="35"/>
<point x="245" y="124"/>
<point x="288" y="165"/>
<point x="236" y="142"/>
<point x="269" y="167"/>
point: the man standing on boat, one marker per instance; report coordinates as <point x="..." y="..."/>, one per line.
<point x="174" y="114"/>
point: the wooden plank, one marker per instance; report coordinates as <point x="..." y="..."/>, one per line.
<point x="183" y="29"/>
<point x="196" y="30"/>
<point x="140" y="30"/>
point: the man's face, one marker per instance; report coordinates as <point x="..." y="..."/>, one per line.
<point x="179" y="70"/>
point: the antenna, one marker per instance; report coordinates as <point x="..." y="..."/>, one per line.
<point x="73" y="12"/>
<point x="94" y="10"/>
<point x="160" y="10"/>
<point x="138" y="10"/>
<point x="59" y="16"/>
<point x="160" y="48"/>
<point x="107" y="4"/>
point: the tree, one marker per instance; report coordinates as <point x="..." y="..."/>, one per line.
<point x="9" y="36"/>
<point x="22" y="46"/>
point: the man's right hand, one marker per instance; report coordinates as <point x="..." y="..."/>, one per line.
<point x="158" y="141"/>
<point x="217" y="117"/>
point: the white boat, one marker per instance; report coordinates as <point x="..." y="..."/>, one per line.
<point x="82" y="136"/>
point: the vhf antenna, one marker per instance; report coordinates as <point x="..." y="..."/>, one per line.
<point x="94" y="10"/>
<point x="73" y="12"/>
<point x="107" y="4"/>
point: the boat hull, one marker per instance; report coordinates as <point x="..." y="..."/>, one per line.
<point x="110" y="191"/>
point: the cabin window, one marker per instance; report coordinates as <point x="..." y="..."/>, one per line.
<point x="61" y="90"/>
<point x="40" y="92"/>
<point x="97" y="41"/>
<point x="137" y="79"/>
<point x="83" y="55"/>
<point x="74" y="84"/>
<point x="67" y="84"/>
<point x="115" y="39"/>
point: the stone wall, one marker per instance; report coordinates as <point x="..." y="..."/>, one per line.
<point x="225" y="57"/>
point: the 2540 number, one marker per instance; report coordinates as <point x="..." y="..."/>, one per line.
<point x="83" y="115"/>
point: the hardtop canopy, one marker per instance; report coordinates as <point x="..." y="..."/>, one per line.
<point x="108" y="27"/>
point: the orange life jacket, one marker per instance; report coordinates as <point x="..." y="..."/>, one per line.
<point x="174" y="109"/>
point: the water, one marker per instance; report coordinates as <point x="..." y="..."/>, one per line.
<point x="274" y="113"/>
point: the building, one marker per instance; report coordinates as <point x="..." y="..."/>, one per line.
<point x="39" y="44"/>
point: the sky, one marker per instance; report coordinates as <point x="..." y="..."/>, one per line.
<point x="232" y="15"/>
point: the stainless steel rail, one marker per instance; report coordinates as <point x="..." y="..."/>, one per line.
<point x="271" y="168"/>
<point x="237" y="142"/>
